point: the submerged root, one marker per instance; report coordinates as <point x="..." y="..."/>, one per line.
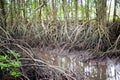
<point x="43" y="70"/>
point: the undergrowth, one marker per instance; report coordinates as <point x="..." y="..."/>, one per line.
<point x="9" y="64"/>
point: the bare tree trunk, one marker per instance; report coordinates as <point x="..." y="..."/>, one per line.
<point x="71" y="12"/>
<point x="114" y="14"/>
<point x="82" y="11"/>
<point x="3" y="14"/>
<point x="40" y="10"/>
<point x="24" y="10"/>
<point x="101" y="12"/>
<point x="76" y="10"/>
<point x="54" y="10"/>
<point x="108" y="17"/>
<point x="46" y="7"/>
<point x="11" y="12"/>
<point x="14" y="5"/>
<point x="87" y="10"/>
<point x="64" y="7"/>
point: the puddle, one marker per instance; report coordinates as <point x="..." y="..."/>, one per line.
<point x="92" y="70"/>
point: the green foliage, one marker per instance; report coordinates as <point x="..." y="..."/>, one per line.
<point x="10" y="63"/>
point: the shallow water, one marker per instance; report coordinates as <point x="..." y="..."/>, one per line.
<point x="108" y="69"/>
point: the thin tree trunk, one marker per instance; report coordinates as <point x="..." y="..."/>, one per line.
<point x="40" y="10"/>
<point x="114" y="14"/>
<point x="76" y="10"/>
<point x="87" y="10"/>
<point x="82" y="11"/>
<point x="24" y="10"/>
<point x="3" y="14"/>
<point x="54" y="10"/>
<point x="109" y="10"/>
<point x="11" y="12"/>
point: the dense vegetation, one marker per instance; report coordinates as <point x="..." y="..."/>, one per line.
<point x="82" y="24"/>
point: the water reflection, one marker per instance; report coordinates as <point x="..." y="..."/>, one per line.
<point x="93" y="70"/>
<point x="113" y="70"/>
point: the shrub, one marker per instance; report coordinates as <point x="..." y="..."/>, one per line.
<point x="10" y="64"/>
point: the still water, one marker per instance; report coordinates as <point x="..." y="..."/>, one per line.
<point x="108" y="69"/>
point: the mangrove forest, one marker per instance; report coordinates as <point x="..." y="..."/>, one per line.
<point x="59" y="39"/>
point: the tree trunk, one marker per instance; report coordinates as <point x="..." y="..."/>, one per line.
<point x="87" y="10"/>
<point x="82" y="10"/>
<point x="11" y="13"/>
<point x="54" y="10"/>
<point x="114" y="14"/>
<point x="101" y="12"/>
<point x="76" y="10"/>
<point x="3" y="14"/>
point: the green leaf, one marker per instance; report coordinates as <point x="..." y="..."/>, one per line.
<point x="14" y="73"/>
<point x="10" y="52"/>
<point x="15" y="64"/>
<point x="3" y="57"/>
<point x="3" y="65"/>
<point x="16" y="55"/>
<point x="10" y="64"/>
